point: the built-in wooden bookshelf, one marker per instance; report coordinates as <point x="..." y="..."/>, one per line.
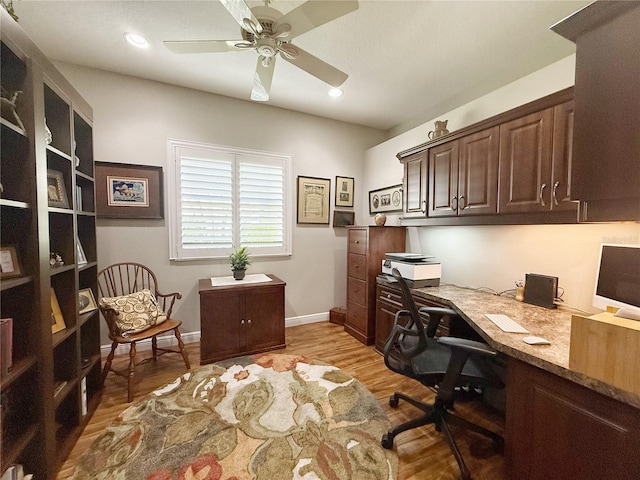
<point x="47" y="204"/>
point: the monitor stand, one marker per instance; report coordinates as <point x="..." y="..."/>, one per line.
<point x="628" y="314"/>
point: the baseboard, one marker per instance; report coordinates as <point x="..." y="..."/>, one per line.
<point x="190" y="337"/>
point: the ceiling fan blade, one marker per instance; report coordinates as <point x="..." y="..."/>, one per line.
<point x="312" y="14"/>
<point x="240" y="10"/>
<point x="203" y="46"/>
<point x="262" y="79"/>
<point x="316" y="67"/>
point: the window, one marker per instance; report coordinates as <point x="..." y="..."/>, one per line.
<point x="221" y="197"/>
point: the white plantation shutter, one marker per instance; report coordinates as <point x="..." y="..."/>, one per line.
<point x="226" y="198"/>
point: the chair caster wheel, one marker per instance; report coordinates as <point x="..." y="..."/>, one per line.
<point x="393" y="401"/>
<point x="386" y="442"/>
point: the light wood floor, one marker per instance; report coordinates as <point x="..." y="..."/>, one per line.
<point x="423" y="452"/>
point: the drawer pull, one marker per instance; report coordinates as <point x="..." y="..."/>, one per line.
<point x="388" y="296"/>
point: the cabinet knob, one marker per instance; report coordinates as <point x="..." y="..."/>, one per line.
<point x="242" y="322"/>
<point x="388" y="296"/>
<point x="356" y="241"/>
<point x="454" y="203"/>
<point x="249" y="321"/>
<point x="553" y="193"/>
<point x="424" y="206"/>
<point x="542" y="187"/>
<point x="463" y="205"/>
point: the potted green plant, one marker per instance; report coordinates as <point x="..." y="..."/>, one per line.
<point x="239" y="261"/>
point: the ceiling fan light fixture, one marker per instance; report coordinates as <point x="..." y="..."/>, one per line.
<point x="136" y="40"/>
<point x="336" y="92"/>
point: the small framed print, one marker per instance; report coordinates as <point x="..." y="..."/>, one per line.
<point x="57" y="320"/>
<point x="388" y="199"/>
<point x="9" y="262"/>
<point x="343" y="218"/>
<point x="56" y="192"/>
<point x="344" y="192"/>
<point x="86" y="301"/>
<point x="313" y="200"/>
<point x="129" y="191"/>
<point x="82" y="257"/>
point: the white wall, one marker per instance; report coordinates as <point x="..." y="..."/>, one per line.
<point x="498" y="256"/>
<point x="133" y="119"/>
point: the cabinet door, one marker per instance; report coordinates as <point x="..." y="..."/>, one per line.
<point x="478" y="173"/>
<point x="525" y="163"/>
<point x="264" y="318"/>
<point x="443" y="180"/>
<point x="222" y="334"/>
<point x="562" y="157"/>
<point x="415" y="185"/>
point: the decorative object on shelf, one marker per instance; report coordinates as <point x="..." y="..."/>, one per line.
<point x="6" y="345"/>
<point x="440" y="129"/>
<point x="387" y="199"/>
<point x="56" y="192"/>
<point x="380" y="219"/>
<point x="342" y="218"/>
<point x="48" y="136"/>
<point x="82" y="258"/>
<point x="75" y="156"/>
<point x="240" y="260"/>
<point x="128" y="191"/>
<point x="55" y="260"/>
<point x="9" y="262"/>
<point x="344" y="192"/>
<point x="313" y="200"/>
<point x="8" y="107"/>
<point x="78" y="198"/>
<point x="57" y="320"/>
<point x="86" y="301"/>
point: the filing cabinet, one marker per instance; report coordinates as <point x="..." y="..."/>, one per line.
<point x="365" y="252"/>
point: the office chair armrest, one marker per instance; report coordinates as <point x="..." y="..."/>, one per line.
<point x="436" y="314"/>
<point x="470" y="346"/>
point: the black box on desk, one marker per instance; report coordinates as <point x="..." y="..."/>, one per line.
<point x="540" y="290"/>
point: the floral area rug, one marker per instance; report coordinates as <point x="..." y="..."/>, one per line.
<point x="263" y="417"/>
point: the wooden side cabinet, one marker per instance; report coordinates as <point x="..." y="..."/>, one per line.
<point x="365" y="252"/>
<point x="240" y="319"/>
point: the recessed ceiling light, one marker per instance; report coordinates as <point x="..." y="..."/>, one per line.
<point x="336" y="92"/>
<point x="136" y="40"/>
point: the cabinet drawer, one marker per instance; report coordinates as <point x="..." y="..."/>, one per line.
<point x="357" y="241"/>
<point x="390" y="298"/>
<point x="357" y="266"/>
<point x="356" y="291"/>
<point x="356" y="316"/>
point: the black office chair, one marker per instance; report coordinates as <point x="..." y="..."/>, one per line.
<point x="446" y="364"/>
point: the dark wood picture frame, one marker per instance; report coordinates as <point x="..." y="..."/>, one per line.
<point x="57" y="320"/>
<point x="387" y="199"/>
<point x="344" y="191"/>
<point x="313" y="200"/>
<point x="56" y="191"/>
<point x="129" y="191"/>
<point x="9" y="262"/>
<point x="343" y="218"/>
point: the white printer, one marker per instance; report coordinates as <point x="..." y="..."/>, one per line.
<point x="417" y="269"/>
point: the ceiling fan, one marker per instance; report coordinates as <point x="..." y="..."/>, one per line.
<point x="269" y="32"/>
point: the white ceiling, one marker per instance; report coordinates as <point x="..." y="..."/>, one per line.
<point x="408" y="60"/>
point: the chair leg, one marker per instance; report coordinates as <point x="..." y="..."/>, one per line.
<point x="427" y="418"/>
<point x="498" y="441"/>
<point x="107" y="365"/>
<point x="154" y="347"/>
<point x="183" y="351"/>
<point x="444" y="428"/>
<point x="132" y="366"/>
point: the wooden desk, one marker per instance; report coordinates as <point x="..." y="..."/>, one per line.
<point x="559" y="423"/>
<point x="240" y="319"/>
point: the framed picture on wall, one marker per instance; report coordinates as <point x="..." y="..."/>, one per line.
<point x="387" y="199"/>
<point x="343" y="218"/>
<point x="129" y="191"/>
<point x="313" y="200"/>
<point x="344" y="192"/>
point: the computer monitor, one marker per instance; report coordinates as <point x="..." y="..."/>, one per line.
<point x="618" y="280"/>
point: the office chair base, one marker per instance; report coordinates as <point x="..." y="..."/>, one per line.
<point x="438" y="415"/>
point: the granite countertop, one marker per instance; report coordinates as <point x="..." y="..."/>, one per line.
<point x="551" y="324"/>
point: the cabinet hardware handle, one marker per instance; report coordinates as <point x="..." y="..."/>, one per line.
<point x="423" y="209"/>
<point x="553" y="193"/>
<point x="454" y="203"/>
<point x="463" y="205"/>
<point x="542" y="202"/>
<point x="388" y="296"/>
<point x="242" y="322"/>
<point x="356" y="241"/>
<point x="249" y="321"/>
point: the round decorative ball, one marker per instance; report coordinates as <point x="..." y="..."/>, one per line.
<point x="380" y="219"/>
